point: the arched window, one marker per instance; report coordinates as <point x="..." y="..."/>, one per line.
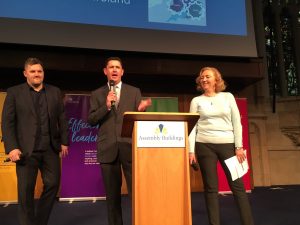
<point x="282" y="35"/>
<point x="289" y="53"/>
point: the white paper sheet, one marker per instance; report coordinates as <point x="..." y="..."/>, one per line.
<point x="237" y="169"/>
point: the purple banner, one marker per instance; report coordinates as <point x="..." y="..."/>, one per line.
<point x="81" y="175"/>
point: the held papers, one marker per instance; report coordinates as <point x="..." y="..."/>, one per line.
<point x="237" y="169"/>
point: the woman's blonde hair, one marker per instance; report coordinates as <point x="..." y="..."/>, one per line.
<point x="220" y="84"/>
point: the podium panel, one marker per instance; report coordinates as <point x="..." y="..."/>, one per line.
<point x="161" y="188"/>
<point x="161" y="178"/>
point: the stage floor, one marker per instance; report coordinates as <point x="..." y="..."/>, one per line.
<point x="277" y="205"/>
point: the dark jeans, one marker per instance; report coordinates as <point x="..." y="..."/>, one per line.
<point x="48" y="163"/>
<point x="208" y="155"/>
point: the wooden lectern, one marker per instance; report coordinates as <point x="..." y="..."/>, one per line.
<point x="161" y="180"/>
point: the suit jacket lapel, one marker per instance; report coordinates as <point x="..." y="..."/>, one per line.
<point x="123" y="96"/>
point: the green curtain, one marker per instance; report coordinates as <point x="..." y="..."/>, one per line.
<point x="163" y="104"/>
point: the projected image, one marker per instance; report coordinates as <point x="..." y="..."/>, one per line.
<point x="187" y="12"/>
<point x="206" y="27"/>
<point x="197" y="16"/>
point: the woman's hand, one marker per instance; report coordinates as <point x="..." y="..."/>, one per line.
<point x="192" y="158"/>
<point x="240" y="154"/>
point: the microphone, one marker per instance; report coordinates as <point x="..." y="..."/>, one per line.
<point x="112" y="88"/>
<point x="194" y="165"/>
<point x="6" y="160"/>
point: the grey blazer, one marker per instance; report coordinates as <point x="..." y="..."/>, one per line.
<point x="110" y="121"/>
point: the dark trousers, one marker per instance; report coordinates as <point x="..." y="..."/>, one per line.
<point x="49" y="165"/>
<point x="112" y="178"/>
<point x="208" y="155"/>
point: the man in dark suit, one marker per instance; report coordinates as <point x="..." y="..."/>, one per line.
<point x="34" y="132"/>
<point x="108" y="103"/>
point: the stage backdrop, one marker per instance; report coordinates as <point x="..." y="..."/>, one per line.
<point x="81" y="178"/>
<point x="8" y="178"/>
<point x="163" y="104"/>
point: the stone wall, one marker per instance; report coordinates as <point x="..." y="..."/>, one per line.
<point x="275" y="142"/>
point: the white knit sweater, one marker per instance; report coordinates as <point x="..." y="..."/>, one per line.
<point x="219" y="121"/>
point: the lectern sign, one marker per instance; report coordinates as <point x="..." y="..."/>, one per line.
<point x="159" y="134"/>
